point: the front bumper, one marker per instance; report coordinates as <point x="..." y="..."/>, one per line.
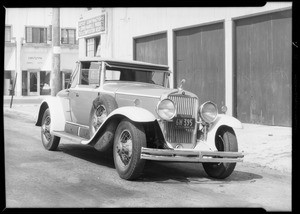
<point x="190" y="155"/>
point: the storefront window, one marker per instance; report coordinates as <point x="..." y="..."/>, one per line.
<point x="68" y="36"/>
<point x="24" y="83"/>
<point x="7" y="33"/>
<point x="8" y="82"/>
<point x="45" y="83"/>
<point x="66" y="77"/>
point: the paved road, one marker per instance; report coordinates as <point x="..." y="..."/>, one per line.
<point x="79" y="176"/>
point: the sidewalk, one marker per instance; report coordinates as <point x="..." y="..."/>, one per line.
<point x="266" y="146"/>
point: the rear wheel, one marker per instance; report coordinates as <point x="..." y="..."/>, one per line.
<point x="225" y="141"/>
<point x="50" y="142"/>
<point x="129" y="139"/>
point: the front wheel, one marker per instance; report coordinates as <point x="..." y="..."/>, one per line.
<point x="225" y="141"/>
<point x="129" y="139"/>
<point x="50" y="142"/>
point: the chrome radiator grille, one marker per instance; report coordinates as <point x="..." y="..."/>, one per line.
<point x="185" y="106"/>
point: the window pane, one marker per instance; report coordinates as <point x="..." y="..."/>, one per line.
<point x="42" y="35"/>
<point x="7" y="33"/>
<point x="36" y="35"/>
<point x="28" y="34"/>
<point x="71" y="36"/>
<point x="64" y="36"/>
<point x="67" y="79"/>
<point x="90" y="47"/>
<point x="45" y="83"/>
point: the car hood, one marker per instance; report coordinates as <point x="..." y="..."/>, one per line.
<point x="137" y="89"/>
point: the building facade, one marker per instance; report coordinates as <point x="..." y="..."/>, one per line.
<point x="28" y="48"/>
<point x="238" y="57"/>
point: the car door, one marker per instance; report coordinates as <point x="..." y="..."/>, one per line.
<point x="84" y="93"/>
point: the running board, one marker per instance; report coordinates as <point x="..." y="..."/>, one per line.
<point x="68" y="136"/>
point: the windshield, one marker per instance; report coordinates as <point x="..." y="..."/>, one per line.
<point x="135" y="75"/>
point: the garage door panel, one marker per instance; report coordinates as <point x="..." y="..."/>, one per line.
<point x="263" y="69"/>
<point x="152" y="49"/>
<point x="199" y="58"/>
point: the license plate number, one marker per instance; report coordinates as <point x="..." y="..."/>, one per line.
<point x="184" y="123"/>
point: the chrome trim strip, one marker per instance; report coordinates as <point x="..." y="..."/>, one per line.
<point x="77" y="124"/>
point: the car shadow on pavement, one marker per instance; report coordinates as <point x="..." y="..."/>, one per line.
<point x="157" y="171"/>
<point x="88" y="153"/>
<point x="188" y="172"/>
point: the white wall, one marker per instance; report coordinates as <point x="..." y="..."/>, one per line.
<point x="129" y="23"/>
<point x="134" y="22"/>
<point x="18" y="18"/>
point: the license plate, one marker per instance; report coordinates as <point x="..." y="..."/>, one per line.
<point x="184" y="123"/>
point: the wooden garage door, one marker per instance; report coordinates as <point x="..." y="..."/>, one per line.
<point x="152" y="49"/>
<point x="263" y="69"/>
<point x="200" y="59"/>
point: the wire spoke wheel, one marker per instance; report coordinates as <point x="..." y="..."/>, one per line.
<point x="129" y="139"/>
<point x="46" y="129"/>
<point x="124" y="148"/>
<point x="50" y="142"/>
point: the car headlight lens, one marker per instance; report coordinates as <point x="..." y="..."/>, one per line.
<point x="166" y="109"/>
<point x="208" y="111"/>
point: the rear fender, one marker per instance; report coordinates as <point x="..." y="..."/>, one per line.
<point x="133" y="113"/>
<point x="56" y="111"/>
<point x="222" y="120"/>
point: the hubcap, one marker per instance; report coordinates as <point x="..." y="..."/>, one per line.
<point x="46" y="129"/>
<point x="99" y="116"/>
<point x="124" y="148"/>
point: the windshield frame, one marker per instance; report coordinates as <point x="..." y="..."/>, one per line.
<point x="166" y="73"/>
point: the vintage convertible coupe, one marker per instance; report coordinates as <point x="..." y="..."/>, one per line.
<point x="126" y="107"/>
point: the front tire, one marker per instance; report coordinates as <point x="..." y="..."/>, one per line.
<point x="129" y="139"/>
<point x="225" y="141"/>
<point x="50" y="142"/>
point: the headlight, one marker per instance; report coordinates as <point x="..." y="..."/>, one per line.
<point x="208" y="111"/>
<point x="166" y="109"/>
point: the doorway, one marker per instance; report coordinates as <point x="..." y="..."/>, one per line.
<point x="33" y="82"/>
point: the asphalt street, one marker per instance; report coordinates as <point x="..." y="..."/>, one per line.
<point x="79" y="176"/>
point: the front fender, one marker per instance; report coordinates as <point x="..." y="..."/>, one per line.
<point x="136" y="114"/>
<point x="56" y="111"/>
<point x="222" y="120"/>
<point x="133" y="113"/>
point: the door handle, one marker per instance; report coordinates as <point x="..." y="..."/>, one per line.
<point x="77" y="95"/>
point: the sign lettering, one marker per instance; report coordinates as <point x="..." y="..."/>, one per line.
<point x="91" y="26"/>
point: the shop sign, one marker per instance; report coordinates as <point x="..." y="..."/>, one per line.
<point x="40" y="61"/>
<point x="35" y="61"/>
<point x="92" y="26"/>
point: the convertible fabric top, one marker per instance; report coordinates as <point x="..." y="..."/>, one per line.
<point x="129" y="64"/>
